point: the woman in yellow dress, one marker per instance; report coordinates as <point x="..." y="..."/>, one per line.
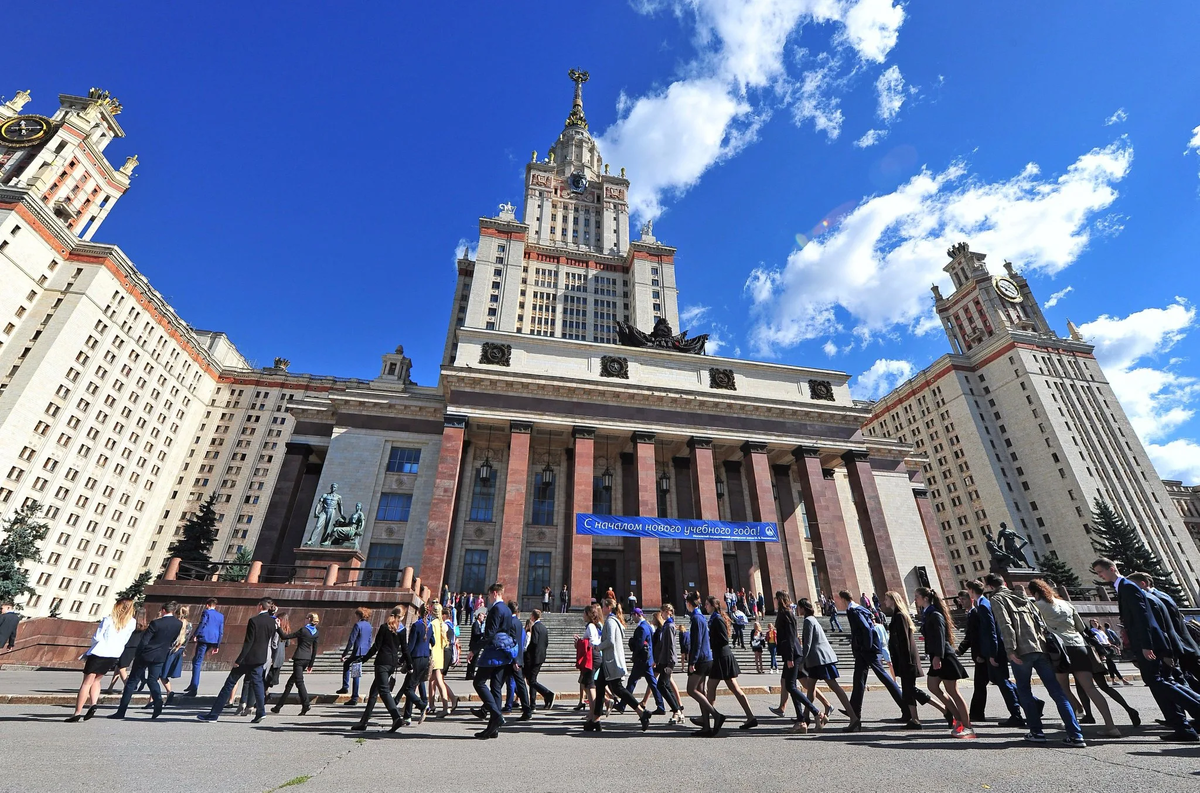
<point x="440" y="660"/>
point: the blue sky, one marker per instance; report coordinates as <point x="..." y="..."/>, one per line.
<point x="308" y="170"/>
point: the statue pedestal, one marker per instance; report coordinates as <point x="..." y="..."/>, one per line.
<point x="313" y="564"/>
<point x="1020" y="576"/>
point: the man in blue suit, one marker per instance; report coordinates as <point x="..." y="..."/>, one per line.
<point x="498" y="650"/>
<point x="639" y="646"/>
<point x="418" y="670"/>
<point x="358" y="645"/>
<point x="513" y="678"/>
<point x="866" y="648"/>
<point x="699" y="662"/>
<point x="209" y="633"/>
<point x="1149" y="646"/>
<point x="989" y="647"/>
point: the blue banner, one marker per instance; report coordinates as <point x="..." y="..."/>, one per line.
<point x="668" y="528"/>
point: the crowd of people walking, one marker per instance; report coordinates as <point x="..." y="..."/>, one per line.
<point x="1010" y="635"/>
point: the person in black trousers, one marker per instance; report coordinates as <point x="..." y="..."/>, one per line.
<point x="535" y="656"/>
<point x="513" y="679"/>
<point x="256" y="648"/>
<point x="564" y="599"/>
<point x="969" y="644"/>
<point x="866" y="648"/>
<point x="787" y="637"/>
<point x="152" y="652"/>
<point x="302" y="661"/>
<point x="906" y="660"/>
<point x="390" y="653"/>
<point x="475" y="644"/>
<point x="666" y="658"/>
<point x="418" y="669"/>
<point x="988" y="649"/>
<point x="498" y="647"/>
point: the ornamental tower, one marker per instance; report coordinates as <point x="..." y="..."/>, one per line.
<point x="60" y="159"/>
<point x="567" y="268"/>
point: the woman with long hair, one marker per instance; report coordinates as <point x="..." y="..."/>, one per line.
<point x="173" y="668"/>
<point x="820" y="662"/>
<point x="792" y="652"/>
<point x="906" y="661"/>
<point x="302" y="659"/>
<point x="1063" y="621"/>
<point x="758" y="640"/>
<point x="141" y="621"/>
<point x="585" y="647"/>
<point x="611" y="668"/>
<point x="388" y="652"/>
<point x="439" y="662"/>
<point x="724" y="667"/>
<point x="945" y="670"/>
<point x="108" y="643"/>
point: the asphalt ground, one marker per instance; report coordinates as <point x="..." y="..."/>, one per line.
<point x="39" y="752"/>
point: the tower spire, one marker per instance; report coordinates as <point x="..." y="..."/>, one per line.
<point x="576" y="118"/>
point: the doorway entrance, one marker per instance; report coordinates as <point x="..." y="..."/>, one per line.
<point x="670" y="572"/>
<point x="732" y="579"/>
<point x="606" y="574"/>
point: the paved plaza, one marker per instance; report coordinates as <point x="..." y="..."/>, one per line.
<point x="550" y="753"/>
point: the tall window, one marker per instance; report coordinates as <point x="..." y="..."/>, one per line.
<point x="394" y="506"/>
<point x="483" y="498"/>
<point x="538" y="572"/>
<point x="662" y="502"/>
<point x="383" y="563"/>
<point x="474" y="576"/>
<point x="543" y="502"/>
<point x="403" y="461"/>
<point x="803" y="515"/>
<point x="601" y="497"/>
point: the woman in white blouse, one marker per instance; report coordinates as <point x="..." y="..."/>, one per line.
<point x="101" y="658"/>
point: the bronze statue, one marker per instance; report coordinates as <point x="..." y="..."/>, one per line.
<point x="329" y="510"/>
<point x="661" y="338"/>
<point x="1002" y="557"/>
<point x="347" y="531"/>
<point x="1014" y="544"/>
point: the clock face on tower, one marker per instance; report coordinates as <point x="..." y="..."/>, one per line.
<point x="1008" y="290"/>
<point x="24" y="130"/>
<point x="578" y="182"/>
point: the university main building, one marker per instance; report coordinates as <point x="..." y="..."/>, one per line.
<point x="566" y="389"/>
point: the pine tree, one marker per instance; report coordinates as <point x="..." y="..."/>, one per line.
<point x="194" y="547"/>
<point x="239" y="568"/>
<point x="136" y="591"/>
<point x="1121" y="543"/>
<point x="23" y="533"/>
<point x="1059" y="572"/>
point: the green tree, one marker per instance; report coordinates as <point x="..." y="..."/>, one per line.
<point x="1059" y="572"/>
<point x="239" y="568"/>
<point x="1120" y="542"/>
<point x="136" y="591"/>
<point x="195" y="546"/>
<point x="23" y="534"/>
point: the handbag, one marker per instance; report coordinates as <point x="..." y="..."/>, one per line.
<point x="356" y="670"/>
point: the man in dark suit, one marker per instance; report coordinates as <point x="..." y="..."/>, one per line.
<point x="475" y="643"/>
<point x="866" y="647"/>
<point x="156" y="644"/>
<point x="495" y="654"/>
<point x="640" y="640"/>
<point x="991" y="659"/>
<point x="1187" y="652"/>
<point x="1150" y="646"/>
<point x="250" y="661"/>
<point x="8" y="625"/>
<point x="535" y="656"/>
<point x="513" y="680"/>
<point x="418" y="670"/>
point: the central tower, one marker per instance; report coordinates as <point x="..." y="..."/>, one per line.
<point x="567" y="267"/>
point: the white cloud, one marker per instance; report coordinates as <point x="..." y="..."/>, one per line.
<point x="1117" y="118"/>
<point x="1053" y="300"/>
<point x="668" y="137"/>
<point x="716" y="341"/>
<point x="884" y="375"/>
<point x="466" y="248"/>
<point x="1194" y="143"/>
<point x="870" y="138"/>
<point x="890" y="87"/>
<point x="691" y="314"/>
<point x="1158" y="401"/>
<point x="877" y="264"/>
<point x="829" y="348"/>
<point x="818" y="101"/>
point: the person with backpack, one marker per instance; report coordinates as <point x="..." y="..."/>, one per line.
<point x="867" y="651"/>
<point x="584" y="647"/>
<point x="500" y="648"/>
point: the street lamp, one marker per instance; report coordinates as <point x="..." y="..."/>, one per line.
<point x="720" y="488"/>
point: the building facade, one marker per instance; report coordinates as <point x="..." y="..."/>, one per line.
<point x="120" y="418"/>
<point x="1020" y="426"/>
<point x="1187" y="500"/>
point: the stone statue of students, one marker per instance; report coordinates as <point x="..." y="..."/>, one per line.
<point x="329" y="509"/>
<point x="347" y="531"/>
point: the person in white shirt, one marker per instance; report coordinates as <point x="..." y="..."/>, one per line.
<point x="101" y="658"/>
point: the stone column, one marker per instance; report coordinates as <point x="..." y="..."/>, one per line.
<point x="272" y="535"/>
<point x="649" y="588"/>
<point x="937" y="544"/>
<point x="885" y="571"/>
<point x="445" y="494"/>
<point x="579" y="563"/>
<point x="791" y="534"/>
<point x="831" y="543"/>
<point x="762" y="509"/>
<point x="704" y="482"/>
<point x="735" y="491"/>
<point x="512" y="527"/>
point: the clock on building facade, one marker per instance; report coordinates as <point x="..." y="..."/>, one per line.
<point x="24" y="130"/>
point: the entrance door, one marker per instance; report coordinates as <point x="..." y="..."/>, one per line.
<point x="604" y="576"/>
<point x="732" y="579"/>
<point x="668" y="573"/>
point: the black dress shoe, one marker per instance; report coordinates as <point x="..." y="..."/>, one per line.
<point x="90" y="712"/>
<point x="749" y="724"/>
<point x="1181" y="736"/>
<point x="360" y="727"/>
<point x="188" y="692"/>
<point x="117" y="715"/>
<point x="342" y="691"/>
<point x="76" y="717"/>
<point x="397" y="723"/>
<point x="526" y="715"/>
<point x="1135" y="719"/>
<point x="718" y="720"/>
<point x="257" y="718"/>
<point x="277" y="708"/>
<point x="305" y="708"/>
<point x="158" y="709"/>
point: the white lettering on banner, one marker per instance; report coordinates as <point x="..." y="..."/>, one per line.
<point x="671" y="528"/>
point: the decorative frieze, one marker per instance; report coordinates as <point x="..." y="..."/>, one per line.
<point x="722" y="378"/>
<point x="614" y="366"/>
<point x="821" y="389"/>
<point x="495" y="354"/>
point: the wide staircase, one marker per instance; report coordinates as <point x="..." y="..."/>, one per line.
<point x="563" y="628"/>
